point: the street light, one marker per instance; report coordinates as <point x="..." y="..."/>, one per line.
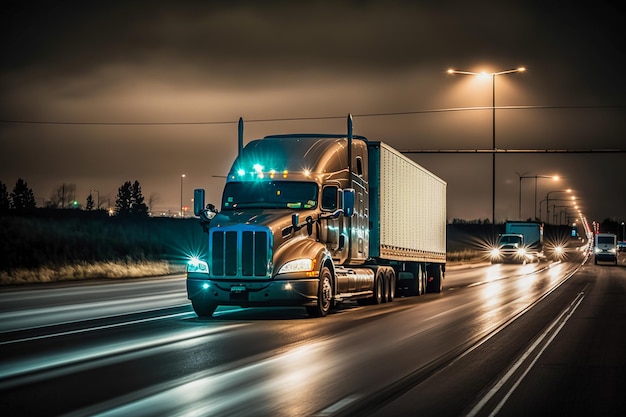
<point x="98" y="203"/>
<point x="493" y="76"/>
<point x="521" y="177"/>
<point x="182" y="177"/>
<point x="569" y="190"/>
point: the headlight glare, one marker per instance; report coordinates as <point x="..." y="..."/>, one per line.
<point x="297" y="265"/>
<point x="197" y="265"/>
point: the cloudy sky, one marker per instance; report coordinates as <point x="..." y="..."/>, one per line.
<point x="99" y="94"/>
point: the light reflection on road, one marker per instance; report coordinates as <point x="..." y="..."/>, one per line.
<point x="279" y="385"/>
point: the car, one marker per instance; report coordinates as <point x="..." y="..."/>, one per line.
<point x="621" y="245"/>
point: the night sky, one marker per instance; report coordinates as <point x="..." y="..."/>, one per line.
<point x="99" y="94"/>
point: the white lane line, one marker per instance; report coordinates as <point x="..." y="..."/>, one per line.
<point x="91" y="329"/>
<point x="562" y="319"/>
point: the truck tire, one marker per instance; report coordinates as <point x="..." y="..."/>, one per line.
<point x="435" y="279"/>
<point x="203" y="310"/>
<point x="379" y="287"/>
<point x="391" y="282"/>
<point x="324" y="295"/>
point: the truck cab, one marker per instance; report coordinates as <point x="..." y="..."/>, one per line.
<point x="511" y="248"/>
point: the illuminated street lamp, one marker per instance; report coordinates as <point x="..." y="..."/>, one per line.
<point x="521" y="177"/>
<point x="182" y="177"/>
<point x="493" y="76"/>
<point x="569" y="190"/>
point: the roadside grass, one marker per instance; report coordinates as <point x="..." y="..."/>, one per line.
<point x="85" y="271"/>
<point x="465" y="256"/>
<point x="46" y="247"/>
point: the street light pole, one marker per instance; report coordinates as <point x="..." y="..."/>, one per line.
<point x="521" y="176"/>
<point x="536" y="177"/>
<point x="493" y="76"/>
<point x="182" y="177"/>
<point x="569" y="190"/>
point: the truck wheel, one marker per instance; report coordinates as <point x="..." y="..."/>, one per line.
<point x="324" y="295"/>
<point x="203" y="310"/>
<point x="379" y="287"/>
<point x="391" y="282"/>
<point x="435" y="279"/>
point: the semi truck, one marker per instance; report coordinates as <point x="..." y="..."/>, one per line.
<point x="315" y="220"/>
<point x="521" y="242"/>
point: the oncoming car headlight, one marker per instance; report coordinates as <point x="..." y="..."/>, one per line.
<point x="198" y="266"/>
<point x="297" y="265"/>
<point x="495" y="252"/>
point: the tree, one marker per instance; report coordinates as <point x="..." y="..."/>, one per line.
<point x="89" y="205"/>
<point x="130" y="201"/>
<point x="22" y="197"/>
<point x="154" y="197"/>
<point x="138" y="207"/>
<point x="63" y="196"/>
<point x="4" y="197"/>
<point x="123" y="199"/>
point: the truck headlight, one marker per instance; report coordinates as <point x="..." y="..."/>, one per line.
<point x="195" y="265"/>
<point x="297" y="265"/>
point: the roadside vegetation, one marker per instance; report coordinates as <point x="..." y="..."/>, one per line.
<point x="60" y="245"/>
<point x="64" y="241"/>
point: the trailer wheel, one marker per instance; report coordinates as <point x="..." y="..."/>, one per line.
<point x="379" y="287"/>
<point x="324" y="295"/>
<point x="435" y="279"/>
<point x="203" y="310"/>
<point x="391" y="282"/>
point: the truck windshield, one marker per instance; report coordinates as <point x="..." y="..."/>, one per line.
<point x="510" y="239"/>
<point x="269" y="194"/>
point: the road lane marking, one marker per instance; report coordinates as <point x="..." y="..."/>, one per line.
<point x="91" y="329"/>
<point x="561" y="320"/>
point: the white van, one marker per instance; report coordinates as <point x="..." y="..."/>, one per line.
<point x="605" y="248"/>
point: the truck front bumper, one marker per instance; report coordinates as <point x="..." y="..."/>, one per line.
<point x="301" y="292"/>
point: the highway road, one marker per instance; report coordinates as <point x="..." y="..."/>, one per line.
<point x="539" y="339"/>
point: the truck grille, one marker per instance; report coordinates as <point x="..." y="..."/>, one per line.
<point x="240" y="252"/>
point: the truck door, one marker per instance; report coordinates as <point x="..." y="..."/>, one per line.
<point x="360" y="220"/>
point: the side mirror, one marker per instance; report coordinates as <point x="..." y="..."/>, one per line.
<point x="347" y="202"/>
<point x="198" y="201"/>
<point x="205" y="214"/>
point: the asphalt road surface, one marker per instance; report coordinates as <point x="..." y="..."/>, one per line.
<point x="538" y="339"/>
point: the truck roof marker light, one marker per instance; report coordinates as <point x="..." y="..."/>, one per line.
<point x="272" y="173"/>
<point x="285" y="172"/>
<point x="258" y="170"/>
<point x="307" y="172"/>
<point x="241" y="172"/>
